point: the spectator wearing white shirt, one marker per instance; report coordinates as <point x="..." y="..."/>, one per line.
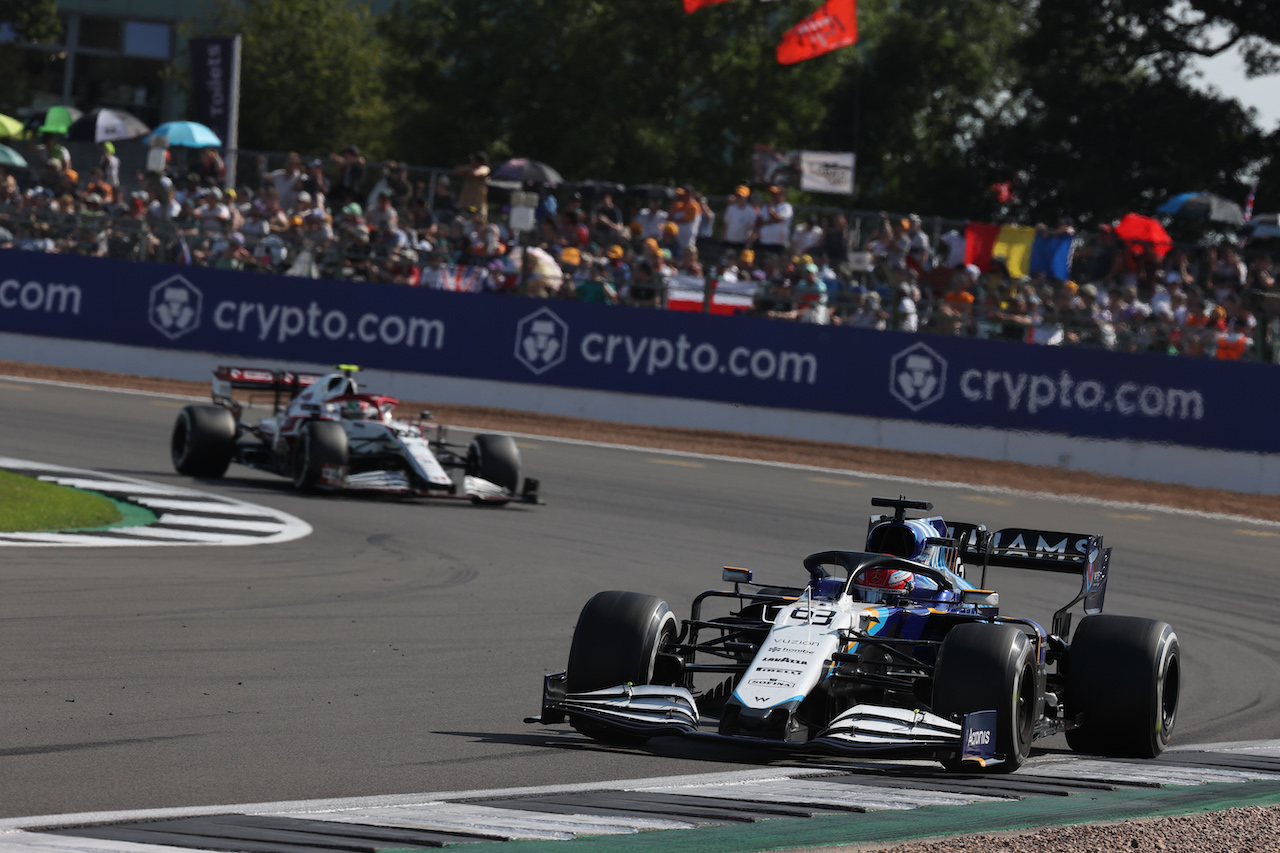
<point x="650" y="219"/>
<point x="806" y="237"/>
<point x="918" y="243"/>
<point x="773" y="227"/>
<point x="213" y="214"/>
<point x="739" y="219"/>
<point x="287" y="181"/>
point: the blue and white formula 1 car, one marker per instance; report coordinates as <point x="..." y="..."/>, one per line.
<point x="890" y="651"/>
<point x="325" y="435"/>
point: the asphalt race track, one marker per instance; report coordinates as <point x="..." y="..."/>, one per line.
<point x="398" y="647"/>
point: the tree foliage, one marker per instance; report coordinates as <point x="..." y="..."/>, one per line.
<point x="311" y="73"/>
<point x="1087" y="107"/>
<point x="1109" y="118"/>
<point x="33" y="20"/>
<point x="632" y="90"/>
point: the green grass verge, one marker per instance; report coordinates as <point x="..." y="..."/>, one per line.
<point x="28" y="504"/>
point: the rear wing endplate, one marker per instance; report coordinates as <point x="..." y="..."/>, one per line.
<point x="1049" y="551"/>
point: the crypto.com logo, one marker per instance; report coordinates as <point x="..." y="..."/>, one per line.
<point x="175" y="307"/>
<point x="917" y="377"/>
<point x="542" y="340"/>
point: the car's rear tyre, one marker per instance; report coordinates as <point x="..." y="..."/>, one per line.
<point x="983" y="667"/>
<point x="203" y="441"/>
<point x="320" y="451"/>
<point x="1124" y="676"/>
<point x="616" y="641"/>
<point x="497" y="459"/>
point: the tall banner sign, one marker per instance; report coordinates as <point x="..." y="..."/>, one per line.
<point x="215" y="92"/>
<point x="212" y="61"/>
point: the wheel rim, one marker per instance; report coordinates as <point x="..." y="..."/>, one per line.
<point x="1025" y="706"/>
<point x="666" y="631"/>
<point x="1169" y="691"/>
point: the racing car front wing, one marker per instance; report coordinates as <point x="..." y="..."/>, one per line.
<point x="866" y="730"/>
<point x="649" y="709"/>
<point x="877" y="726"/>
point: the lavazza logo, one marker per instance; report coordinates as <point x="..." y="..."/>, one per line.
<point x="917" y="377"/>
<point x="542" y="340"/>
<point x="175" y="307"/>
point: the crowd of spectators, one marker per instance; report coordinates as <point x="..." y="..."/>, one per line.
<point x="342" y="217"/>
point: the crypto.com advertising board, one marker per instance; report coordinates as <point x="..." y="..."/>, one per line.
<point x="748" y="361"/>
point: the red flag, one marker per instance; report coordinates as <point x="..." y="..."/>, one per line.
<point x="832" y="26"/>
<point x="692" y="6"/>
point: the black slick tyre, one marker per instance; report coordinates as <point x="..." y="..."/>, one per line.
<point x="497" y="459"/>
<point x="203" y="441"/>
<point x="319" y="456"/>
<point x="1123" y="679"/>
<point x="985" y="667"/>
<point x="616" y="641"/>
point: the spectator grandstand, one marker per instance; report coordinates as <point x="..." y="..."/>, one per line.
<point x="342" y="218"/>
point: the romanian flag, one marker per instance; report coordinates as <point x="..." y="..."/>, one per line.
<point x="1014" y="244"/>
<point x="834" y="25"/>
<point x="692" y="6"/>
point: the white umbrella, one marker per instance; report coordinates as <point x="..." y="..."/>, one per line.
<point x="105" y="125"/>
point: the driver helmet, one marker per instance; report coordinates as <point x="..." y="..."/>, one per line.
<point x="359" y="410"/>
<point x="877" y="585"/>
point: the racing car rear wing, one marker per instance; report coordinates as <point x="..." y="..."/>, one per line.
<point x="1050" y="551"/>
<point x="278" y="382"/>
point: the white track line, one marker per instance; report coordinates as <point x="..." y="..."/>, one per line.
<point x="210" y="506"/>
<point x="222" y="523"/>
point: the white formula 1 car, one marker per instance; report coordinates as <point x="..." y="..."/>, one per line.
<point x="886" y="652"/>
<point x="325" y="435"/>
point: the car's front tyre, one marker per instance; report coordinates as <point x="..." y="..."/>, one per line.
<point x="984" y="667"/>
<point x="319" y="460"/>
<point x="495" y="458"/>
<point x="616" y="641"/>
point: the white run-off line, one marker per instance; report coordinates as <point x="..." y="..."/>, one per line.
<point x="451" y="811"/>
<point x="184" y="516"/>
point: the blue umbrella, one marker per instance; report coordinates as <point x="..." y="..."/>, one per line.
<point x="187" y="134"/>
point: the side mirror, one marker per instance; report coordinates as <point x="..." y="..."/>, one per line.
<point x="980" y="597"/>
<point x="733" y="575"/>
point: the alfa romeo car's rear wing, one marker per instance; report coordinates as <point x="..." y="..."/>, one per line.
<point x="1050" y="551"/>
<point x="283" y="384"/>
